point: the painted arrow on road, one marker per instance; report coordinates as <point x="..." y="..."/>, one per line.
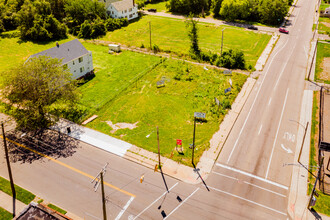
<point x="286" y="149"/>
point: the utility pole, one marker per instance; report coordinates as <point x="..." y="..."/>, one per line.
<point x="99" y="179"/>
<point x="150" y="34"/>
<point x="103" y="198"/>
<point x="9" y="170"/>
<point x="193" y="147"/>
<point x="158" y="148"/>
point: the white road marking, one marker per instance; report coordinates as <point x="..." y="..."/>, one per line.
<point x="260" y="129"/>
<point x="247" y="117"/>
<point x="181" y="203"/>
<point x="236" y="179"/>
<point x="124" y="209"/>
<point x="92" y="216"/>
<point x="278" y="79"/>
<point x="154" y="201"/>
<point x="290" y="137"/>
<point x="270" y="100"/>
<point x="271" y="191"/>
<point x="266" y="207"/>
<point x="288" y="150"/>
<point x="251" y="175"/>
<point x="230" y="177"/>
<point x="278" y="128"/>
<point x="306" y="52"/>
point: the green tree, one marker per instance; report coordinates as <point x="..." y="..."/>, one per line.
<point x="36" y="22"/>
<point x="31" y="88"/>
<point x="188" y="6"/>
<point x="193" y="36"/>
<point x="216" y="6"/>
<point x="235" y="9"/>
<point x="273" y="11"/>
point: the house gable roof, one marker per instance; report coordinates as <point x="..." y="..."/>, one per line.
<point x="123" y="5"/>
<point x="68" y="51"/>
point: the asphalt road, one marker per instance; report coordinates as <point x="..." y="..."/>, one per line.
<point x="249" y="181"/>
<point x="260" y="148"/>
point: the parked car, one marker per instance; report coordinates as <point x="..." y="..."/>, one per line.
<point x="251" y="27"/>
<point x="152" y="10"/>
<point x="283" y="30"/>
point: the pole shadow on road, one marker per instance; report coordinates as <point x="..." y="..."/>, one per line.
<point x="46" y="142"/>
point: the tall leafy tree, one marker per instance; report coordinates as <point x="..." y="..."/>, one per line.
<point x="32" y="88"/>
<point x="234" y="9"/>
<point x="38" y="23"/>
<point x="273" y="11"/>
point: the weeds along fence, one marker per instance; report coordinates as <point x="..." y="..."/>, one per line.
<point x="122" y="89"/>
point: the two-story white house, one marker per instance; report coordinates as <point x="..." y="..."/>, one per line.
<point x="121" y="8"/>
<point x="73" y="55"/>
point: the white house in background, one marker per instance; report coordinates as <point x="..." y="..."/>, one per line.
<point x="121" y="8"/>
<point x="74" y="56"/>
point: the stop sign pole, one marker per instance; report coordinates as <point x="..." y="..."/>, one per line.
<point x="196" y="115"/>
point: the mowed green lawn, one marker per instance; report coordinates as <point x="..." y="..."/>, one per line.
<point x="160" y="6"/>
<point x="171" y="107"/>
<point x="323" y="51"/>
<point x="324" y="25"/>
<point x="113" y="74"/>
<point x="171" y="35"/>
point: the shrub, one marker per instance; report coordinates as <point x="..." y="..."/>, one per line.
<point x="232" y="59"/>
<point x="155" y="48"/>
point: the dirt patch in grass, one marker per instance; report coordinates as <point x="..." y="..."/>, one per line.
<point x="325" y="65"/>
<point x="326" y="24"/>
<point x="121" y="125"/>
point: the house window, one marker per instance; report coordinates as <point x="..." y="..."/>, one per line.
<point x="130" y="16"/>
<point x="82" y="69"/>
<point x="73" y="63"/>
<point x="80" y="59"/>
<point x="130" y="9"/>
<point x="125" y="11"/>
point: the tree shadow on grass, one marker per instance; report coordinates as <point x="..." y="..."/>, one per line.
<point x="29" y="147"/>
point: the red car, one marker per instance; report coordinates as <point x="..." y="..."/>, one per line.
<point x="283" y="30"/>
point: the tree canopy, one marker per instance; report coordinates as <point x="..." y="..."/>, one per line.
<point x="32" y="88"/>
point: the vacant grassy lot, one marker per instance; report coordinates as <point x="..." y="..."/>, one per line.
<point x="187" y="89"/>
<point x="324" y="25"/>
<point x="171" y="35"/>
<point x="114" y="74"/>
<point x="322" y="69"/>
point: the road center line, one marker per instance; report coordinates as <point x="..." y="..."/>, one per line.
<point x="258" y="204"/>
<point x="278" y="128"/>
<point x="124" y="209"/>
<point x="260" y="129"/>
<point x="255" y="99"/>
<point x="69" y="167"/>
<point x="182" y="203"/>
<point x="154" y="201"/>
<point x="251" y="175"/>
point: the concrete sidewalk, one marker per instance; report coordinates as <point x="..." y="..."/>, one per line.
<point x="6" y="202"/>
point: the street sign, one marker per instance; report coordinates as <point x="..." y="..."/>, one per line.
<point x="227" y="72"/>
<point x="199" y="115"/>
<point x="227" y="90"/>
<point x="178" y="142"/>
<point x="160" y="83"/>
